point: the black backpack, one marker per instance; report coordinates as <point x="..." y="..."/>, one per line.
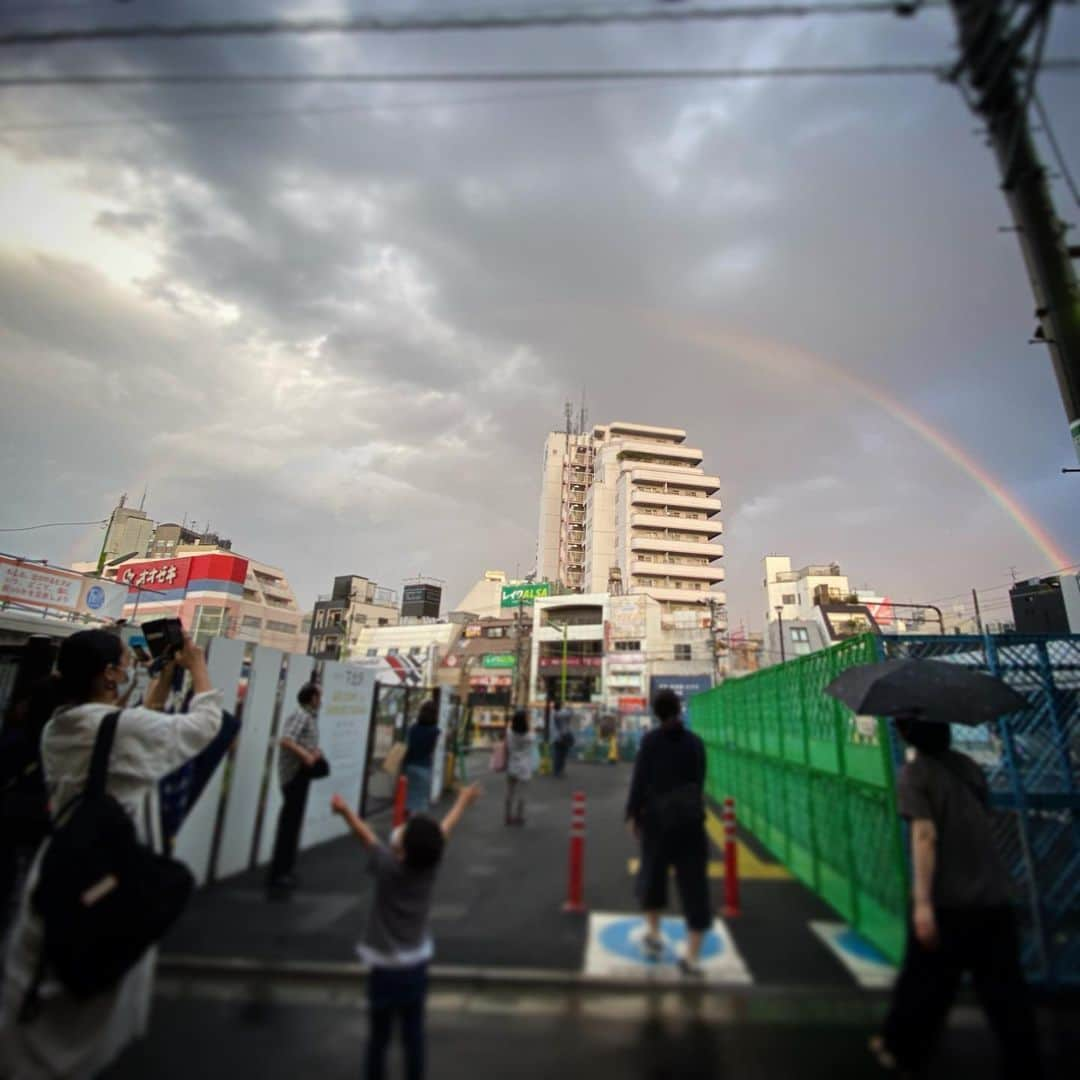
<point x="103" y="897"/>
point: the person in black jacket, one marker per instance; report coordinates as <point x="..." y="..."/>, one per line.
<point x="666" y="812"/>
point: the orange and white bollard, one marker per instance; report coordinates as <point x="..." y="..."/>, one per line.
<point x="575" y="887"/>
<point x="731" y="862"/>
<point x="400" y="796"/>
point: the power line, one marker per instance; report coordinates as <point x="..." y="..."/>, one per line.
<point x="315" y="110"/>
<point x="1059" y="155"/>
<point x="1060" y="64"/>
<point x="1007" y="585"/>
<point x="55" y="525"/>
<point x="397" y="24"/>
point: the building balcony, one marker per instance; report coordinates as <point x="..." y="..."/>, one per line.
<point x="708" y="527"/>
<point x="666" y="452"/>
<point x="682" y="478"/>
<point x="680" y="596"/>
<point x="678" y="502"/>
<point x="676" y="570"/>
<point x="676" y="547"/>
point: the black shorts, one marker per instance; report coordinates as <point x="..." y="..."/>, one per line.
<point x="689" y="855"/>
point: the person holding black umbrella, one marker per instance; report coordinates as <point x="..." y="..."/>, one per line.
<point x="962" y="917"/>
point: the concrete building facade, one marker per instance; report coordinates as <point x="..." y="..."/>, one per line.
<point x="215" y="593"/>
<point x="354" y="602"/>
<point x="628" y="508"/>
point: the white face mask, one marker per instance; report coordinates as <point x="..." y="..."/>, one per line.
<point x="124" y="685"/>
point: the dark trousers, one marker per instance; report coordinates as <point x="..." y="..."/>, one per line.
<point x="688" y="852"/>
<point x="984" y="942"/>
<point x="397" y="993"/>
<point x="290" y="822"/>
<point x="560" y="748"/>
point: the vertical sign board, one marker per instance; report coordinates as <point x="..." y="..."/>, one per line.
<point x="249" y="764"/>
<point x="438" y="770"/>
<point x="193" y="845"/>
<point x="348" y="692"/>
<point x="300" y="668"/>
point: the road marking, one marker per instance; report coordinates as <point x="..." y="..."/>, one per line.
<point x="615" y="949"/>
<point x="751" y="868"/>
<point x="867" y="966"/>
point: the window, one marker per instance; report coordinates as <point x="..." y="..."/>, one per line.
<point x="788" y="598"/>
<point x="372" y="653"/>
<point x="384" y="622"/>
<point x="392" y="651"/>
<point x="280" y="627"/>
<point x="683" y="652"/>
<point x="495" y="631"/>
<point x="800" y="633"/>
<point x="628" y="646"/>
<point x="251" y="620"/>
<point x="415" y="650"/>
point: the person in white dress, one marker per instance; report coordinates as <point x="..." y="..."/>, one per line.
<point x="519" y="766"/>
<point x="70" y="1038"/>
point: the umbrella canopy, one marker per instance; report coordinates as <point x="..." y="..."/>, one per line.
<point x="948" y="693"/>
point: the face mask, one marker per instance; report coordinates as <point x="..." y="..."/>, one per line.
<point x="124" y="685"/>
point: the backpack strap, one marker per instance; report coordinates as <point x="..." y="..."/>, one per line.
<point x="99" y="762"/>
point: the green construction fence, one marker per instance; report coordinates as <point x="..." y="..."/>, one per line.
<point x="814" y="783"/>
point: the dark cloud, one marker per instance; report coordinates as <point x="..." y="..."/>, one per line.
<point x="367" y="305"/>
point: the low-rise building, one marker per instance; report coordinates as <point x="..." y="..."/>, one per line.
<point x="215" y="593"/>
<point x="408" y="653"/>
<point x="354" y="602"/>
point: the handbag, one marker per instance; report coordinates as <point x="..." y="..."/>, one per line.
<point x="498" y="756"/>
<point x="394" y="757"/>
<point x="319" y="771"/>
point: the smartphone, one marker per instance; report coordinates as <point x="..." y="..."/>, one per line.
<point x="164" y="637"/>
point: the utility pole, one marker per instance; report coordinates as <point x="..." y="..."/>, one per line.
<point x="991" y="59"/>
<point x="780" y="618"/>
<point x="978" y="616"/>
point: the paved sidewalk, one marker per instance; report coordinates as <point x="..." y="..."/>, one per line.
<point x="499" y="895"/>
<point x="276" y="1029"/>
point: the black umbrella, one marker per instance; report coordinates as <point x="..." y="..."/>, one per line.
<point x="949" y="693"/>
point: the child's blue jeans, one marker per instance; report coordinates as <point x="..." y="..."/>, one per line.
<point x="397" y="992"/>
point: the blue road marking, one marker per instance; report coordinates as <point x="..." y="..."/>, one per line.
<point x="616" y="938"/>
<point x="850" y="942"/>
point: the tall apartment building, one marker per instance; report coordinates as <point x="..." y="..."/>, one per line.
<point x="628" y="508"/>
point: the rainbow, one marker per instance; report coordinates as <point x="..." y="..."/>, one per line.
<point x="784" y="358"/>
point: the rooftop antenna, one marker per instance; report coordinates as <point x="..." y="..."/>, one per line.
<point x="583" y="415"/>
<point x="142" y="501"/>
<point x="568" y="408"/>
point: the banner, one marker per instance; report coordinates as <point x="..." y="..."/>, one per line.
<point x="40" y="586"/>
<point x="525" y="593"/>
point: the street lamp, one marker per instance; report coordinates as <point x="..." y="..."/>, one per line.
<point x="562" y="680"/>
<point x="780" y="617"/>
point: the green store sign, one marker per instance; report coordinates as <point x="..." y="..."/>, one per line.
<point x="517" y="595"/>
<point x="500" y="660"/>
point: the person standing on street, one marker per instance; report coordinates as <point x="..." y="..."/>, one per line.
<point x="397" y="946"/>
<point x="562" y="743"/>
<point x="71" y="1036"/>
<point x="519" y="766"/>
<point x="666" y="812"/>
<point x="298" y="755"/>
<point x="962" y="918"/>
<point x="419" y="760"/>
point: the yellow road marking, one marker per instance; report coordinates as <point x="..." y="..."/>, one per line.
<point x="751" y="868"/>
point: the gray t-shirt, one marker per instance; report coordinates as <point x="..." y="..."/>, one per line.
<point x="951" y="791"/>
<point x="397" y="931"/>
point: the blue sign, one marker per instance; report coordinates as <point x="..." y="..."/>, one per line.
<point x="685" y="686"/>
<point x="95" y="597"/>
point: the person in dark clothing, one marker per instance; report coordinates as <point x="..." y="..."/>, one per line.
<point x="297" y="757"/>
<point x="24" y="799"/>
<point x="962" y="919"/>
<point x="666" y="812"/>
<point x="563" y="742"/>
<point x="419" y="760"/>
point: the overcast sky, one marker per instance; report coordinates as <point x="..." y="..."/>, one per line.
<point x="336" y="322"/>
